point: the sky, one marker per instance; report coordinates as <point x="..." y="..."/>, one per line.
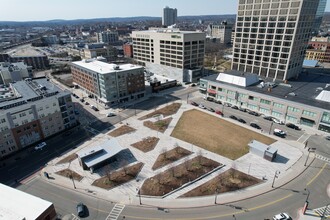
<point x="42" y="10"/>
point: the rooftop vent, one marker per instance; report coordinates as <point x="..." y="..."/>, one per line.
<point x="116" y="67"/>
<point x="292" y="94"/>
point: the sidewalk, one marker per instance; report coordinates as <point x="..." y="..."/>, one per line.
<point x="293" y="154"/>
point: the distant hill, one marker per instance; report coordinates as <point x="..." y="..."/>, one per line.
<point x="116" y="19"/>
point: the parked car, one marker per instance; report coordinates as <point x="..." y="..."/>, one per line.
<point x="218" y="112"/>
<point x="86" y="103"/>
<point x="254" y="113"/>
<point x="233" y="117"/>
<point x="94" y="108"/>
<point x="211" y="109"/>
<point x="277" y="121"/>
<point x="241" y="120"/>
<point x="254" y="125"/>
<point x="279" y="133"/>
<point x="82" y="100"/>
<point x="193" y="85"/>
<point x="193" y="103"/>
<point x="242" y="109"/>
<point x="81" y="209"/>
<point x="218" y="102"/>
<point x="40" y="146"/>
<point x="327" y="138"/>
<point x="282" y="216"/>
<point x="111" y="114"/>
<point x="269" y="118"/>
<point x="293" y="126"/>
<point x="202" y="106"/>
<point x="234" y="107"/>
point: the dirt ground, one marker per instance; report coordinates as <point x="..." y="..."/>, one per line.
<point x="119" y="177"/>
<point x="228" y="181"/>
<point x="215" y="134"/>
<point x="160" y="125"/>
<point x="121" y="131"/>
<point x="67" y="173"/>
<point x="166" y="111"/>
<point x="68" y="159"/>
<point x="177" y="176"/>
<point x="170" y="156"/>
<point x="147" y="144"/>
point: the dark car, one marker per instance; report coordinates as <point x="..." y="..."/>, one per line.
<point x="81" y="209"/>
<point x="210" y="109"/>
<point x="254" y="125"/>
<point x="193" y="85"/>
<point x="293" y="126"/>
<point x="268" y="118"/>
<point x="234" y="107"/>
<point x="241" y="120"/>
<point x="193" y="103"/>
<point x="254" y="113"/>
<point x="82" y="100"/>
<point x="233" y="117"/>
<point x="218" y="102"/>
<point x="242" y="109"/>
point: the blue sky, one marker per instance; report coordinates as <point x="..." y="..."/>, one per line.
<point x="40" y="10"/>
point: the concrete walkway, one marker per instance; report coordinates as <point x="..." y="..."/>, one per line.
<point x="289" y="163"/>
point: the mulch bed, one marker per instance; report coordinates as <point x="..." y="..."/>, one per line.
<point x="160" y="125"/>
<point x="170" y="157"/>
<point x="228" y="181"/>
<point x="147" y="144"/>
<point x="68" y="159"/>
<point x="121" y="131"/>
<point x="119" y="177"/>
<point x="67" y="173"/>
<point x="166" y="111"/>
<point x="175" y="177"/>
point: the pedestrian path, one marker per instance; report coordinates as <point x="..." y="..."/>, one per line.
<point x="303" y="138"/>
<point x="326" y="159"/>
<point x="323" y="211"/>
<point x="115" y="212"/>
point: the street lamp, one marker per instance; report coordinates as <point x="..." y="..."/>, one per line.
<point x="216" y="195"/>
<point x="71" y="177"/>
<point x="309" y="151"/>
<point x="187" y="97"/>
<point x="139" y="193"/>
<point x="270" y="128"/>
<point x="277" y="172"/>
<point x="308" y="192"/>
<point x="234" y="217"/>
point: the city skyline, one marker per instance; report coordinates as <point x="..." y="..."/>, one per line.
<point x="35" y="10"/>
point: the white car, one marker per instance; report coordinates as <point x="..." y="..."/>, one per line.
<point x="202" y="106"/>
<point x="282" y="216"/>
<point x="278" y="121"/>
<point x="279" y="131"/>
<point x="110" y="114"/>
<point x="40" y="146"/>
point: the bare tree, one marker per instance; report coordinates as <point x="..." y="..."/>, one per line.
<point x="108" y="170"/>
<point x="233" y="170"/>
<point x="164" y="152"/>
<point x="200" y="156"/>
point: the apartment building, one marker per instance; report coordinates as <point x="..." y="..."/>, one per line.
<point x="36" y="109"/>
<point x="100" y="50"/>
<point x="304" y="101"/>
<point x="128" y="50"/>
<point x="222" y="31"/>
<point x="271" y="36"/>
<point x="111" y="84"/>
<point x="318" y="49"/>
<point x="170" y="52"/>
<point x="107" y="37"/>
<point x="10" y="72"/>
<point x="170" y="16"/>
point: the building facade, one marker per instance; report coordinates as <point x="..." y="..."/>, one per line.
<point x="128" y="50"/>
<point x="319" y="15"/>
<point x="318" y="49"/>
<point x="10" y="72"/>
<point x="271" y="36"/>
<point x="107" y="37"/>
<point x="169" y="16"/>
<point x="111" y="84"/>
<point x="108" y="52"/>
<point x="279" y="100"/>
<point x="223" y="32"/>
<point x="170" y="52"/>
<point x="36" y="110"/>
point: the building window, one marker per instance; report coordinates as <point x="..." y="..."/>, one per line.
<point x="264" y="101"/>
<point x="278" y="105"/>
<point x="293" y="109"/>
<point x="309" y="113"/>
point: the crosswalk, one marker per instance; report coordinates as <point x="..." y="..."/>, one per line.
<point x="323" y="211"/>
<point x="115" y="212"/>
<point x="326" y="159"/>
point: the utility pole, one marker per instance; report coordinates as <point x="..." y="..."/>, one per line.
<point x="74" y="185"/>
<point x="216" y="195"/>
<point x="270" y="128"/>
<point x="309" y="151"/>
<point x="277" y="172"/>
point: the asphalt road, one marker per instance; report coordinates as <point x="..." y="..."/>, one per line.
<point x="288" y="198"/>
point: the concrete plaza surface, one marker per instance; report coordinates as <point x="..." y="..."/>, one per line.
<point x="289" y="164"/>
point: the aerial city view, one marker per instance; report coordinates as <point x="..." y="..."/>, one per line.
<point x="156" y="110"/>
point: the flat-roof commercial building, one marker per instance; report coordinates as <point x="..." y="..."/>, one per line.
<point x="33" y="110"/>
<point x="15" y="204"/>
<point x="222" y="31"/>
<point x="302" y="101"/>
<point x="10" y="72"/>
<point x="318" y="49"/>
<point x="110" y="83"/>
<point x="271" y="37"/>
<point x="170" y="52"/>
<point x="107" y="37"/>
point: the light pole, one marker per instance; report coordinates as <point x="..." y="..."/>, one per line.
<point x="309" y="151"/>
<point x="74" y="185"/>
<point x="277" y="172"/>
<point x="234" y="217"/>
<point x="308" y="192"/>
<point x="139" y="193"/>
<point x="216" y="195"/>
<point x="270" y="128"/>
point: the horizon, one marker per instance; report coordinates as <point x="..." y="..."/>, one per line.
<point x="110" y="9"/>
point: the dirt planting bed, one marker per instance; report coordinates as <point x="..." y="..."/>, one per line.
<point x="160" y="125"/>
<point x="166" y="111"/>
<point x="125" y="129"/>
<point x="70" y="174"/>
<point x="68" y="159"/>
<point x="147" y="144"/>
<point x="170" y="156"/>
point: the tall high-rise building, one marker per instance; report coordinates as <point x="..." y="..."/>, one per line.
<point x="169" y="16"/>
<point x="319" y="15"/>
<point x="271" y="36"/>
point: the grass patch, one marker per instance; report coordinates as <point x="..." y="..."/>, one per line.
<point x="125" y="129"/>
<point x="68" y="159"/>
<point x="166" y="111"/>
<point x="170" y="156"/>
<point x="160" y="125"/>
<point x="175" y="177"/>
<point x="119" y="177"/>
<point x="68" y="173"/>
<point x="147" y="144"/>
<point x="215" y="134"/>
<point x="228" y="181"/>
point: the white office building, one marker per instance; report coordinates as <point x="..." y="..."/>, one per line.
<point x="271" y="36"/>
<point x="221" y="31"/>
<point x="169" y="16"/>
<point x="107" y="37"/>
<point x="171" y="53"/>
<point x="10" y="72"/>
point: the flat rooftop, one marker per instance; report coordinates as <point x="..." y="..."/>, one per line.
<point x="303" y="90"/>
<point x="26" y="51"/>
<point x="104" y="68"/>
<point x="15" y="204"/>
<point x="169" y="31"/>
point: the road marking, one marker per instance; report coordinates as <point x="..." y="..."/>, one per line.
<point x="303" y="140"/>
<point x="323" y="210"/>
<point x="75" y="217"/>
<point x="312" y="180"/>
<point x="115" y="212"/>
<point x="326" y="159"/>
